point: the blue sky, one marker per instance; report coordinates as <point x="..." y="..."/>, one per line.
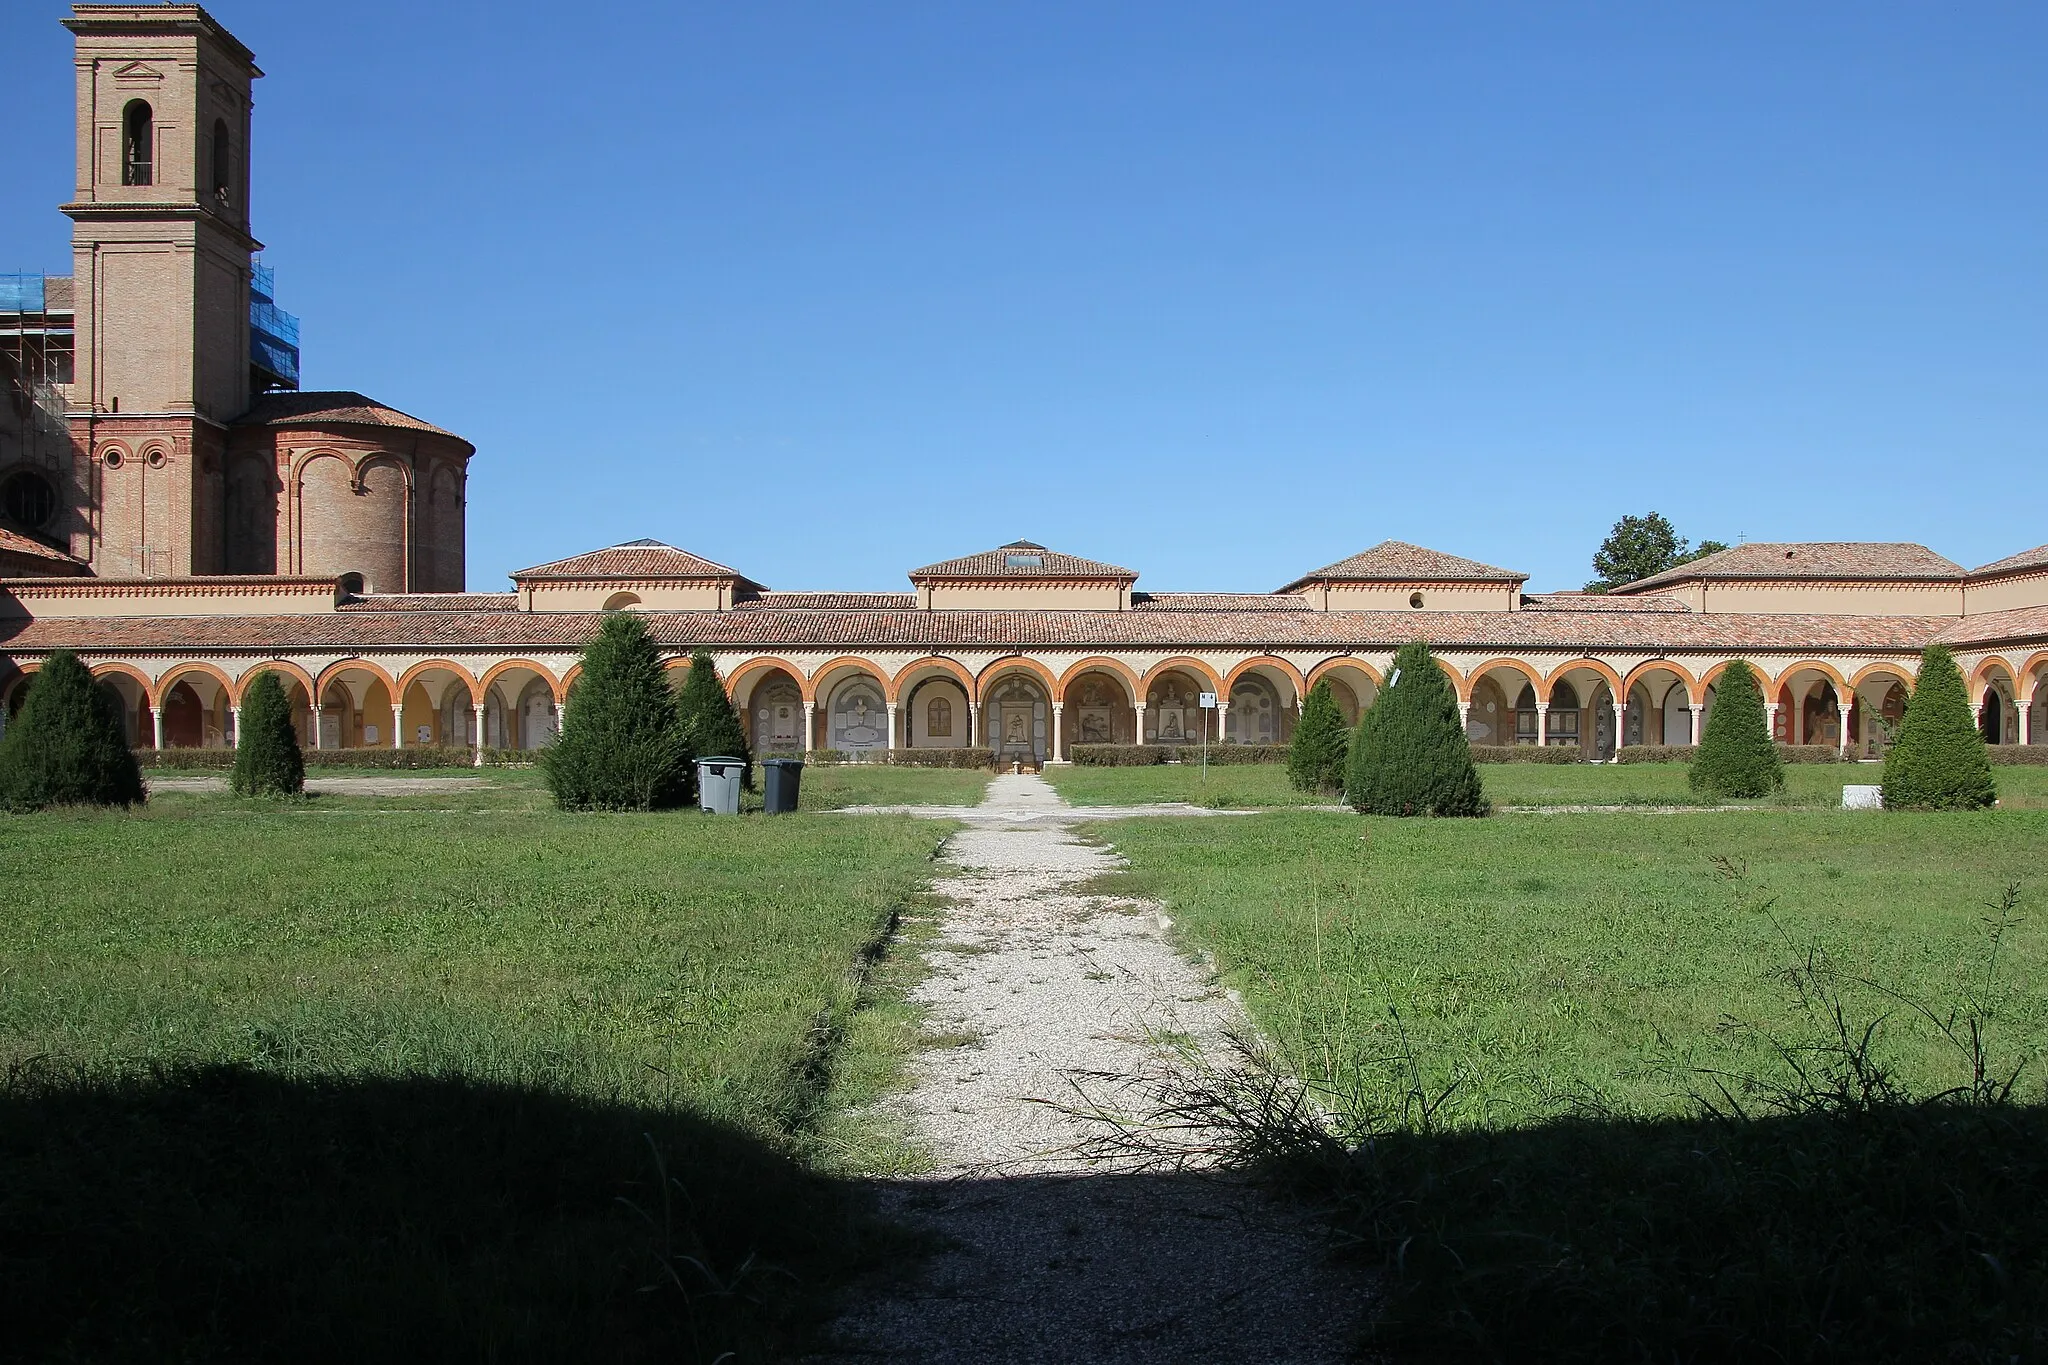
<point x="1220" y="293"/>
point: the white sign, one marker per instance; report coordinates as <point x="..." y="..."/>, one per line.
<point x="1208" y="701"/>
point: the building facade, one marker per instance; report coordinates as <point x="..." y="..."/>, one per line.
<point x="177" y="512"/>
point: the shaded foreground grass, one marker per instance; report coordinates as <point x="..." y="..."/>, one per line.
<point x="1243" y="786"/>
<point x="306" y="1080"/>
<point x="1615" y="1088"/>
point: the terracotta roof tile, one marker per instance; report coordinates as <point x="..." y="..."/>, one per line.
<point x="1998" y="627"/>
<point x="1020" y="559"/>
<point x="433" y="601"/>
<point x="635" y="559"/>
<point x="1216" y="601"/>
<point x="29" y="555"/>
<point x="1396" y="561"/>
<point x="1854" y="559"/>
<point x="1596" y="601"/>
<point x="1661" y="631"/>
<point x="2036" y="558"/>
<point x="334" y="407"/>
<point x="828" y="601"/>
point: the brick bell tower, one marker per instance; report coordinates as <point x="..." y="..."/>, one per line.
<point x="161" y="258"/>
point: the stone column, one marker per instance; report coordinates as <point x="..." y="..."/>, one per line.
<point x="1694" y="724"/>
<point x="2026" y="724"/>
<point x="1771" y="720"/>
<point x="810" y="729"/>
<point x="1138" y="709"/>
<point x="1058" y="731"/>
<point x="892" y="725"/>
<point x="1222" y="714"/>
<point x="156" y="716"/>
<point x="1620" y="710"/>
<point x="235" y="721"/>
<point x="1842" y="731"/>
<point x="1542" y="724"/>
<point x="1465" y="718"/>
<point x="477" y="739"/>
<point x="397" y="726"/>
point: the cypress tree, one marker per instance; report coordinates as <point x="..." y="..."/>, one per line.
<point x="1409" y="755"/>
<point x="623" y="745"/>
<point x="1315" y="760"/>
<point x="1737" y="757"/>
<point x="1939" y="761"/>
<point x="708" y="717"/>
<point x="68" y="746"/>
<point x="267" y="757"/>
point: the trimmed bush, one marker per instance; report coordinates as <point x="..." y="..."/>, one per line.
<point x="1813" y="753"/>
<point x="2017" y="755"/>
<point x="376" y="759"/>
<point x="1737" y="757"/>
<point x="186" y="760"/>
<point x="1528" y="753"/>
<point x="623" y="744"/>
<point x="709" y="721"/>
<point x="939" y="758"/>
<point x="1228" y="754"/>
<point x="1315" y="761"/>
<point x="267" y="758"/>
<point x="68" y="746"/>
<point x="1119" y="755"/>
<point x="1939" y="761"/>
<point x="1656" y="753"/>
<point x="1409" y="755"/>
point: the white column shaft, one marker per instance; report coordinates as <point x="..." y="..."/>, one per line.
<point x="810" y="726"/>
<point x="1058" y="731"/>
<point x="1693" y="728"/>
<point x="397" y="726"/>
<point x="156" y="716"/>
<point x="1620" y="710"/>
<point x="477" y="739"/>
<point x="1222" y="715"/>
<point x="1542" y="724"/>
<point x="235" y="721"/>
<point x="892" y="725"/>
<point x="2026" y="722"/>
<point x="1138" y="708"/>
<point x="1842" y="734"/>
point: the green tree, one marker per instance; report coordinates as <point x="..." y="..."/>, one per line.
<point x="1409" y="755"/>
<point x="1315" y="759"/>
<point x="1737" y="757"/>
<point x="1939" y="762"/>
<point x="1638" y="547"/>
<point x="267" y="757"/>
<point x="708" y="717"/>
<point x="68" y="747"/>
<point x="623" y="745"/>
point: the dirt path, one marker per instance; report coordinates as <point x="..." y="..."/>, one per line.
<point x="1049" y="1257"/>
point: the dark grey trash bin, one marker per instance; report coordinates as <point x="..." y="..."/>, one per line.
<point x="718" y="784"/>
<point x="781" y="777"/>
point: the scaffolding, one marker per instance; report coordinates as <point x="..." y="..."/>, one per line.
<point x="273" y="333"/>
<point x="35" y="370"/>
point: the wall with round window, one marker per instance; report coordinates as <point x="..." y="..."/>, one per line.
<point x="28" y="499"/>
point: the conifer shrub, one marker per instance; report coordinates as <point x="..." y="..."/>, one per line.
<point x="1409" y="755"/>
<point x="1939" y="761"/>
<point x="68" y="746"/>
<point x="1737" y="757"/>
<point x="1315" y="760"/>
<point x="267" y="757"/>
<point x="713" y="727"/>
<point x="623" y="744"/>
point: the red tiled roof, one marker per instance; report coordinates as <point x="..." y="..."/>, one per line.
<point x="2036" y="558"/>
<point x="1998" y="627"/>
<point x="1396" y="561"/>
<point x="434" y="601"/>
<point x="636" y="559"/>
<point x="334" y="407"/>
<point x="1852" y="559"/>
<point x="25" y="553"/>
<point x="1216" y="601"/>
<point x="1655" y="630"/>
<point x="828" y="601"/>
<point x="1001" y="562"/>
<point x="1597" y="601"/>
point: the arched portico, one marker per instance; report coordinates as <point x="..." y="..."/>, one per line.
<point x="130" y="689"/>
<point x="858" y="714"/>
<point x="1493" y="699"/>
<point x="1263" y="696"/>
<point x="437" y="700"/>
<point x="196" y="703"/>
<point x="1582" y="696"/>
<point x="355" y="706"/>
<point x="1017" y="710"/>
<point x="1997" y="696"/>
<point x="1659" y="706"/>
<point x="1172" y="698"/>
<point x="934" y="703"/>
<point x="1354" y="685"/>
<point x="1097" y="705"/>
<point x="770" y="699"/>
<point x="521" y="702"/>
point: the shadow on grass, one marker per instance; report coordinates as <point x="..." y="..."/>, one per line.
<point x="1914" y="1233"/>
<point x="223" y="1213"/>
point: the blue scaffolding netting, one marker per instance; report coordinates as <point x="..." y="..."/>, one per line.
<point x="273" y="333"/>
<point x="21" y="293"/>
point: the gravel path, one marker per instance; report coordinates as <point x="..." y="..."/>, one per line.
<point x="1049" y="1257"/>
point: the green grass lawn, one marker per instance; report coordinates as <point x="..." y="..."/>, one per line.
<point x="1572" y="992"/>
<point x="356" y="1077"/>
<point x="1508" y="784"/>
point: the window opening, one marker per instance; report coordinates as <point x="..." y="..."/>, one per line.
<point x="29" y="500"/>
<point x="138" y="138"/>
<point x="221" y="159"/>
<point x="1026" y="561"/>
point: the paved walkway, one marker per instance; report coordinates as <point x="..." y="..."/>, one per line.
<point x="1050" y="1257"/>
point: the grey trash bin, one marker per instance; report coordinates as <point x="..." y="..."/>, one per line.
<point x="718" y="784"/>
<point x="781" y="778"/>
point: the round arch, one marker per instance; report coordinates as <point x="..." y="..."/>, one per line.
<point x="114" y="668"/>
<point x="814" y="684"/>
<point x="1179" y="663"/>
<point x="1896" y="672"/>
<point x="1315" y="674"/>
<point x="1980" y="676"/>
<point x="1612" y="678"/>
<point x="1100" y="663"/>
<point x="951" y="667"/>
<point x="175" y="672"/>
<point x="504" y="666"/>
<point x="425" y="666"/>
<point x="1784" y="675"/>
<point x="1011" y="663"/>
<point x="382" y="457"/>
<point x="1280" y="666"/>
<point x="279" y="666"/>
<point x="766" y="663"/>
<point x="1693" y="686"/>
<point x="1530" y="674"/>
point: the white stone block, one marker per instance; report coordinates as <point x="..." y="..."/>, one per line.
<point x="1862" y="798"/>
